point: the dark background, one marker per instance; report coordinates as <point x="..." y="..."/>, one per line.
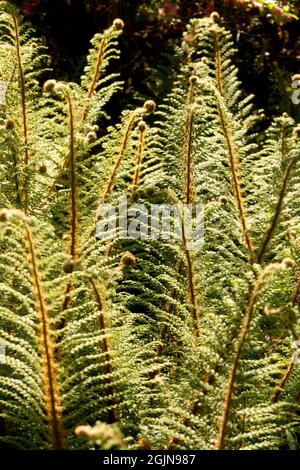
<point x="268" y="45"/>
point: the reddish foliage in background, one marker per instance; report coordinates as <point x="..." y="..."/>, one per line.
<point x="29" y="8"/>
<point x="168" y="10"/>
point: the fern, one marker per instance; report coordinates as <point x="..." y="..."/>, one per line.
<point x="123" y="343"/>
<point x="30" y="373"/>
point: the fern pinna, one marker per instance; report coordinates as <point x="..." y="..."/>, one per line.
<point x="122" y="343"/>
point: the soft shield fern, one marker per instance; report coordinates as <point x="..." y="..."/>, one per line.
<point x="142" y="342"/>
<point x="29" y="388"/>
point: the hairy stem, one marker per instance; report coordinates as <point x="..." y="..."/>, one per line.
<point x="276" y="215"/>
<point x="218" y="63"/>
<point x="234" y="163"/>
<point x="187" y="154"/>
<point x="187" y="162"/>
<point x="285" y="377"/>
<point x="140" y="152"/>
<point x="283" y="382"/>
<point x="73" y="244"/>
<point x="229" y="390"/>
<point x="96" y="75"/>
<point x="188" y="141"/>
<point x="73" y="249"/>
<point x="233" y="154"/>
<point x="124" y="144"/>
<point x="295" y="295"/>
<point x="190" y="272"/>
<point x="22" y="86"/>
<point x="47" y="350"/>
<point x="23" y="102"/>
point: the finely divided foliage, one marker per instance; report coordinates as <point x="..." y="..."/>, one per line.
<point x="145" y="344"/>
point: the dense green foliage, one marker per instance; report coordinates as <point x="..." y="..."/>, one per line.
<point x="145" y="344"/>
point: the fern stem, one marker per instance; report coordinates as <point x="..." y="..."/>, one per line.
<point x="73" y="245"/>
<point x="187" y="162"/>
<point x="106" y="349"/>
<point x="95" y="78"/>
<point x="230" y="145"/>
<point x="188" y="153"/>
<point x="283" y="382"/>
<point x="188" y="140"/>
<point x="218" y="63"/>
<point x="276" y="216"/>
<point x="22" y="86"/>
<point x="140" y="152"/>
<point x="23" y="103"/>
<point x="67" y="298"/>
<point x="229" y="390"/>
<point x="74" y="208"/>
<point x="285" y="378"/>
<point x="296" y="292"/>
<point x="124" y="144"/>
<point x="191" y="276"/>
<point x="233" y="158"/>
<point x="193" y="296"/>
<point x="47" y="350"/>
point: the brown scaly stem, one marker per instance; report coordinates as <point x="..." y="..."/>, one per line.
<point x="22" y="86"/>
<point x="73" y="246"/>
<point x="188" y="139"/>
<point x="190" y="271"/>
<point x="188" y="154"/>
<point x="74" y="209"/>
<point x="140" y="152"/>
<point x="46" y="349"/>
<point x="118" y="24"/>
<point x="124" y="144"/>
<point x="296" y="292"/>
<point x="230" y="385"/>
<point x="105" y="347"/>
<point x="192" y="288"/>
<point x="277" y="213"/>
<point x="218" y="63"/>
<point x="233" y="159"/>
<point x="67" y="298"/>
<point x="95" y="78"/>
<point x="23" y="99"/>
<point x="261" y="254"/>
<point x="287" y="374"/>
<point x="187" y="161"/>
<point x="283" y="382"/>
<point x="233" y="154"/>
